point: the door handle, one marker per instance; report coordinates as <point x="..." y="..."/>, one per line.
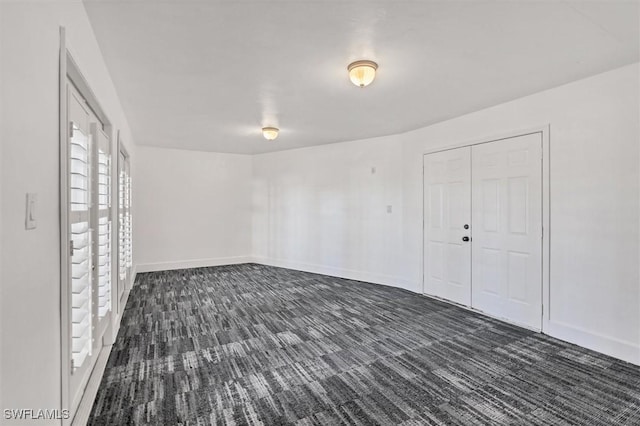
<point x="465" y="238"/>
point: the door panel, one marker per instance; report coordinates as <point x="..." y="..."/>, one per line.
<point x="507" y="233"/>
<point x="447" y="207"/>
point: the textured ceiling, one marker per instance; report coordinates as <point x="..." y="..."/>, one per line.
<point x="207" y="75"/>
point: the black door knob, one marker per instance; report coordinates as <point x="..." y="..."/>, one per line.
<point x="465" y="238"/>
<point x="466" y="226"/>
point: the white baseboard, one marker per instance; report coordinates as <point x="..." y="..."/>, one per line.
<point x="614" y="347"/>
<point x="193" y="263"/>
<point x="350" y="274"/>
<point x="133" y="275"/>
<point x="91" y="391"/>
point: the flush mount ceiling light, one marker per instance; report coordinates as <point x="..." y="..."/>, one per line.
<point x="270" y="133"/>
<point x="362" y="73"/>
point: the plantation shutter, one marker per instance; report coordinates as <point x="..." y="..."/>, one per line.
<point x="128" y="230"/>
<point x="122" y="250"/>
<point x="86" y="223"/>
<point x="102" y="178"/>
<point x="125" y="250"/>
<point x="80" y="231"/>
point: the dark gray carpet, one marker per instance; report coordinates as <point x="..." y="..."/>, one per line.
<point x="252" y="344"/>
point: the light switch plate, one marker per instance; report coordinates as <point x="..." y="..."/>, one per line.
<point x="30" y="219"/>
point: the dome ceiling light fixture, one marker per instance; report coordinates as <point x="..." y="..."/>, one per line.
<point x="270" y="133"/>
<point x="362" y="72"/>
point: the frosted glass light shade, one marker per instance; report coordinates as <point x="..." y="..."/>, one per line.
<point x="270" y="133"/>
<point x="362" y="73"/>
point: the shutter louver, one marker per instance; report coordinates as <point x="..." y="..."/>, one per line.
<point x="79" y="171"/>
<point x="129" y="259"/>
<point x="104" y="228"/>
<point x="122" y="252"/>
<point x="125" y="250"/>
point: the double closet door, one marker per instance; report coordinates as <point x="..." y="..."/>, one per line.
<point x="483" y="227"/>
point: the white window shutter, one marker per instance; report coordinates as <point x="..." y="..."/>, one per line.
<point x="122" y="234"/>
<point x="80" y="238"/>
<point x="128" y="230"/>
<point x="104" y="251"/>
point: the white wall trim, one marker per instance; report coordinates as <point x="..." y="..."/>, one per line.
<point x="117" y="318"/>
<point x="193" y="263"/>
<point x="65" y="327"/>
<point x="509" y="134"/>
<point x="134" y="273"/>
<point x="608" y="345"/>
<point x="350" y="274"/>
<point x="91" y="391"/>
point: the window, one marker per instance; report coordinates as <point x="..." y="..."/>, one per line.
<point x="80" y="231"/>
<point x="124" y="223"/>
<point x="102" y="186"/>
<point x="88" y="227"/>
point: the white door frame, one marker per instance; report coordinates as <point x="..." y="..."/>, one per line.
<point x="545" y="131"/>
<point x="68" y="69"/>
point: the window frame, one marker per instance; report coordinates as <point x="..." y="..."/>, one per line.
<point x="70" y="73"/>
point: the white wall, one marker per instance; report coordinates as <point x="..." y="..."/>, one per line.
<point x="320" y="209"/>
<point x="192" y="208"/>
<point x="30" y="275"/>
<point x="324" y="209"/>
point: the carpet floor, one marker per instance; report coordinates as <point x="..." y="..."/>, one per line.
<point x="251" y="344"/>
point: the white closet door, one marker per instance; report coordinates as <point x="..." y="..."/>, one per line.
<point x="447" y="217"/>
<point x="507" y="229"/>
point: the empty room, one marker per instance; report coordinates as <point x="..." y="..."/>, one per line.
<point x="319" y="212"/>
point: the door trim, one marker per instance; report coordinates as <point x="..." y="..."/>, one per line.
<point x="545" y="132"/>
<point x="64" y="220"/>
<point x="68" y="69"/>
